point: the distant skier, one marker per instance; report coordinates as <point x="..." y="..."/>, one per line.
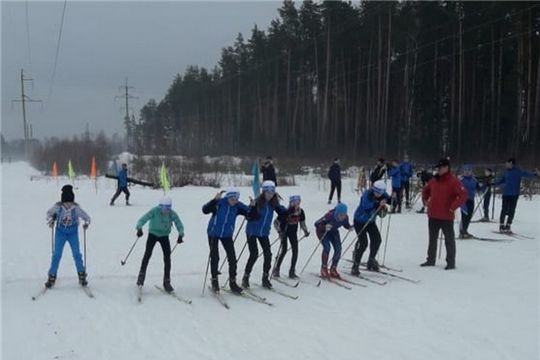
<point x="511" y="181"/>
<point x="471" y="185"/>
<point x="394" y="171"/>
<point x="268" y="171"/>
<point x="221" y="228"/>
<point x="424" y="177"/>
<point x="66" y="213"/>
<point x="373" y="201"/>
<point x="334" y="174"/>
<point x="287" y="228"/>
<point x="122" y="185"/>
<point x="378" y="171"/>
<point x="327" y="229"/>
<point x="407" y="171"/>
<point x="487" y="183"/>
<point x="161" y="218"/>
<point x="258" y="229"/>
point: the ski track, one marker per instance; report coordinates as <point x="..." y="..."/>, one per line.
<point x="487" y="309"/>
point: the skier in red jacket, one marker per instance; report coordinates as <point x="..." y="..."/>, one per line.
<point x="442" y="196"/>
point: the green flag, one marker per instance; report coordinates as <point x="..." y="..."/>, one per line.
<point x="163" y="176"/>
<point x="71" y="173"/>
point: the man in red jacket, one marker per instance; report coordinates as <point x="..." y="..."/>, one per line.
<point x="442" y="195"/>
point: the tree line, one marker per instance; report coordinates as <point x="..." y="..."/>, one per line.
<point x="377" y="78"/>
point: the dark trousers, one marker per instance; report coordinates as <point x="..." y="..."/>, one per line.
<point x="228" y="245"/>
<point x="292" y="235"/>
<point x="396" y="201"/>
<point x="362" y="242"/>
<point x="466" y="217"/>
<point x="123" y="189"/>
<point x="335" y="185"/>
<point x="405" y="187"/>
<point x="254" y="253"/>
<point x="447" y="227"/>
<point x="487" y="199"/>
<point x="509" y="203"/>
<point x="165" y="246"/>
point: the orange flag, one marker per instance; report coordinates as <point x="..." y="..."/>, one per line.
<point x="54" y="170"/>
<point x="93" y="171"/>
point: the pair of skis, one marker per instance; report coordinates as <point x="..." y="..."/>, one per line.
<point x="162" y="290"/>
<point x="43" y="291"/>
<point x="515" y="235"/>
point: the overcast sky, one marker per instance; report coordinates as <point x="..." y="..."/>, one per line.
<point x="103" y="43"/>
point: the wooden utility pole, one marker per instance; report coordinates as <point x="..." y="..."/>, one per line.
<point x="127" y="124"/>
<point x="24" y="100"/>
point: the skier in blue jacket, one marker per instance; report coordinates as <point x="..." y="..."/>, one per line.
<point x="511" y="181"/>
<point x="327" y="230"/>
<point x="66" y="213"/>
<point x="470" y="183"/>
<point x="258" y="229"/>
<point x="224" y="211"/>
<point x="122" y="185"/>
<point x="407" y="171"/>
<point x="394" y="171"/>
<point x="372" y="203"/>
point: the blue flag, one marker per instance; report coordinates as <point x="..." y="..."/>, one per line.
<point x="255" y="173"/>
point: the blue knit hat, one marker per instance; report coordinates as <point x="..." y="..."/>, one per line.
<point x="341" y="208"/>
<point x="293" y="198"/>
<point x="467" y="168"/>
<point x="268" y="186"/>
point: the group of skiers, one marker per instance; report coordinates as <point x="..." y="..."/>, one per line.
<point x="442" y="195"/>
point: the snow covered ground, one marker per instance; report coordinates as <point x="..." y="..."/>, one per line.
<point x="488" y="308"/>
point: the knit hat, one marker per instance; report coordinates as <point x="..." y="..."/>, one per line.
<point x="268" y="186"/>
<point x="341" y="208"/>
<point x="232" y="193"/>
<point x="467" y="168"/>
<point x="380" y="160"/>
<point x="165" y="203"/>
<point x="511" y="160"/>
<point x="443" y="162"/>
<point x="379" y="187"/>
<point x="67" y="194"/>
<point x="294" y="198"/>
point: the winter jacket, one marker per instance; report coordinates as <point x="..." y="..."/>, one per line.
<point x="265" y="209"/>
<point x="406" y="171"/>
<point x="395" y="174"/>
<point x="288" y="222"/>
<point x="334" y="173"/>
<point x="471" y="186"/>
<point x="160" y="223"/>
<point x="269" y="173"/>
<point x="330" y="218"/>
<point x="377" y="173"/>
<point x="424" y="177"/>
<point x="221" y="224"/>
<point x="369" y="204"/>
<point x="443" y="195"/>
<point x="511" y="180"/>
<point x="122" y="178"/>
<point x="67" y="220"/>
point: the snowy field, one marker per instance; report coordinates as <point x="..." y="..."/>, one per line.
<point x="486" y="309"/>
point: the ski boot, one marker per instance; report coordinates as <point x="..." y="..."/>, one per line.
<point x="82" y="278"/>
<point x="292" y="274"/>
<point x="373" y="265"/>
<point x="266" y="282"/>
<point x="324" y="272"/>
<point x="111" y="203"/>
<point x="167" y="286"/>
<point x="502" y="228"/>
<point x="508" y="229"/>
<point x="233" y="285"/>
<point x="245" y="281"/>
<point x="140" y="279"/>
<point x="355" y="271"/>
<point x="275" y="273"/>
<point x="215" y="285"/>
<point x="329" y="202"/>
<point x="50" y="281"/>
<point x="334" y="273"/>
<point x="428" y="263"/>
<point x="421" y="211"/>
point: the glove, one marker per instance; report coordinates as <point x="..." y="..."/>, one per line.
<point x="383" y="208"/>
<point x="180" y="239"/>
<point x="50" y="223"/>
<point x="85" y="226"/>
<point x="306" y="233"/>
<point x="139" y="233"/>
<point x="328" y="227"/>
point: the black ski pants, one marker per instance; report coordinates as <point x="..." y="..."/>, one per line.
<point x="291" y="233"/>
<point x="228" y="245"/>
<point x="447" y="227"/>
<point x="487" y="199"/>
<point x="335" y="185"/>
<point x="466" y="217"/>
<point x="165" y="247"/>
<point x="123" y="189"/>
<point x="254" y="253"/>
<point x="362" y="242"/>
<point x="396" y="201"/>
<point x="508" y="210"/>
<point x="405" y="188"/>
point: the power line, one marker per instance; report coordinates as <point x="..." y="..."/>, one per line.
<point x="28" y="36"/>
<point x="57" y="49"/>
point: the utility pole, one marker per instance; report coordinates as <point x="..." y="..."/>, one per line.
<point x="127" y="124"/>
<point x="23" y="100"/>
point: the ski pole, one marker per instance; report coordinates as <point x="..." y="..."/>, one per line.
<point x="212" y="242"/>
<point x="174" y="247"/>
<point x="234" y="240"/>
<point x="386" y="238"/>
<point x="316" y="247"/>
<point x="84" y="247"/>
<point x="123" y="262"/>
<point x="52" y="239"/>
<point x="276" y="261"/>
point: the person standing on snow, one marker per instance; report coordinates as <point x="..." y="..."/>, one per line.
<point x="407" y="171"/>
<point x="221" y="228"/>
<point x="424" y="177"/>
<point x="378" y="172"/>
<point x="327" y="230"/>
<point x="511" y="181"/>
<point x="161" y="218"/>
<point x="394" y="171"/>
<point x="487" y="183"/>
<point x="66" y="213"/>
<point x="334" y="174"/>
<point x="259" y="229"/>
<point x="268" y="171"/>
<point x="122" y="185"/>
<point x="287" y="228"/>
<point x="373" y="201"/>
<point x="442" y="195"/>
<point x="471" y="186"/>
